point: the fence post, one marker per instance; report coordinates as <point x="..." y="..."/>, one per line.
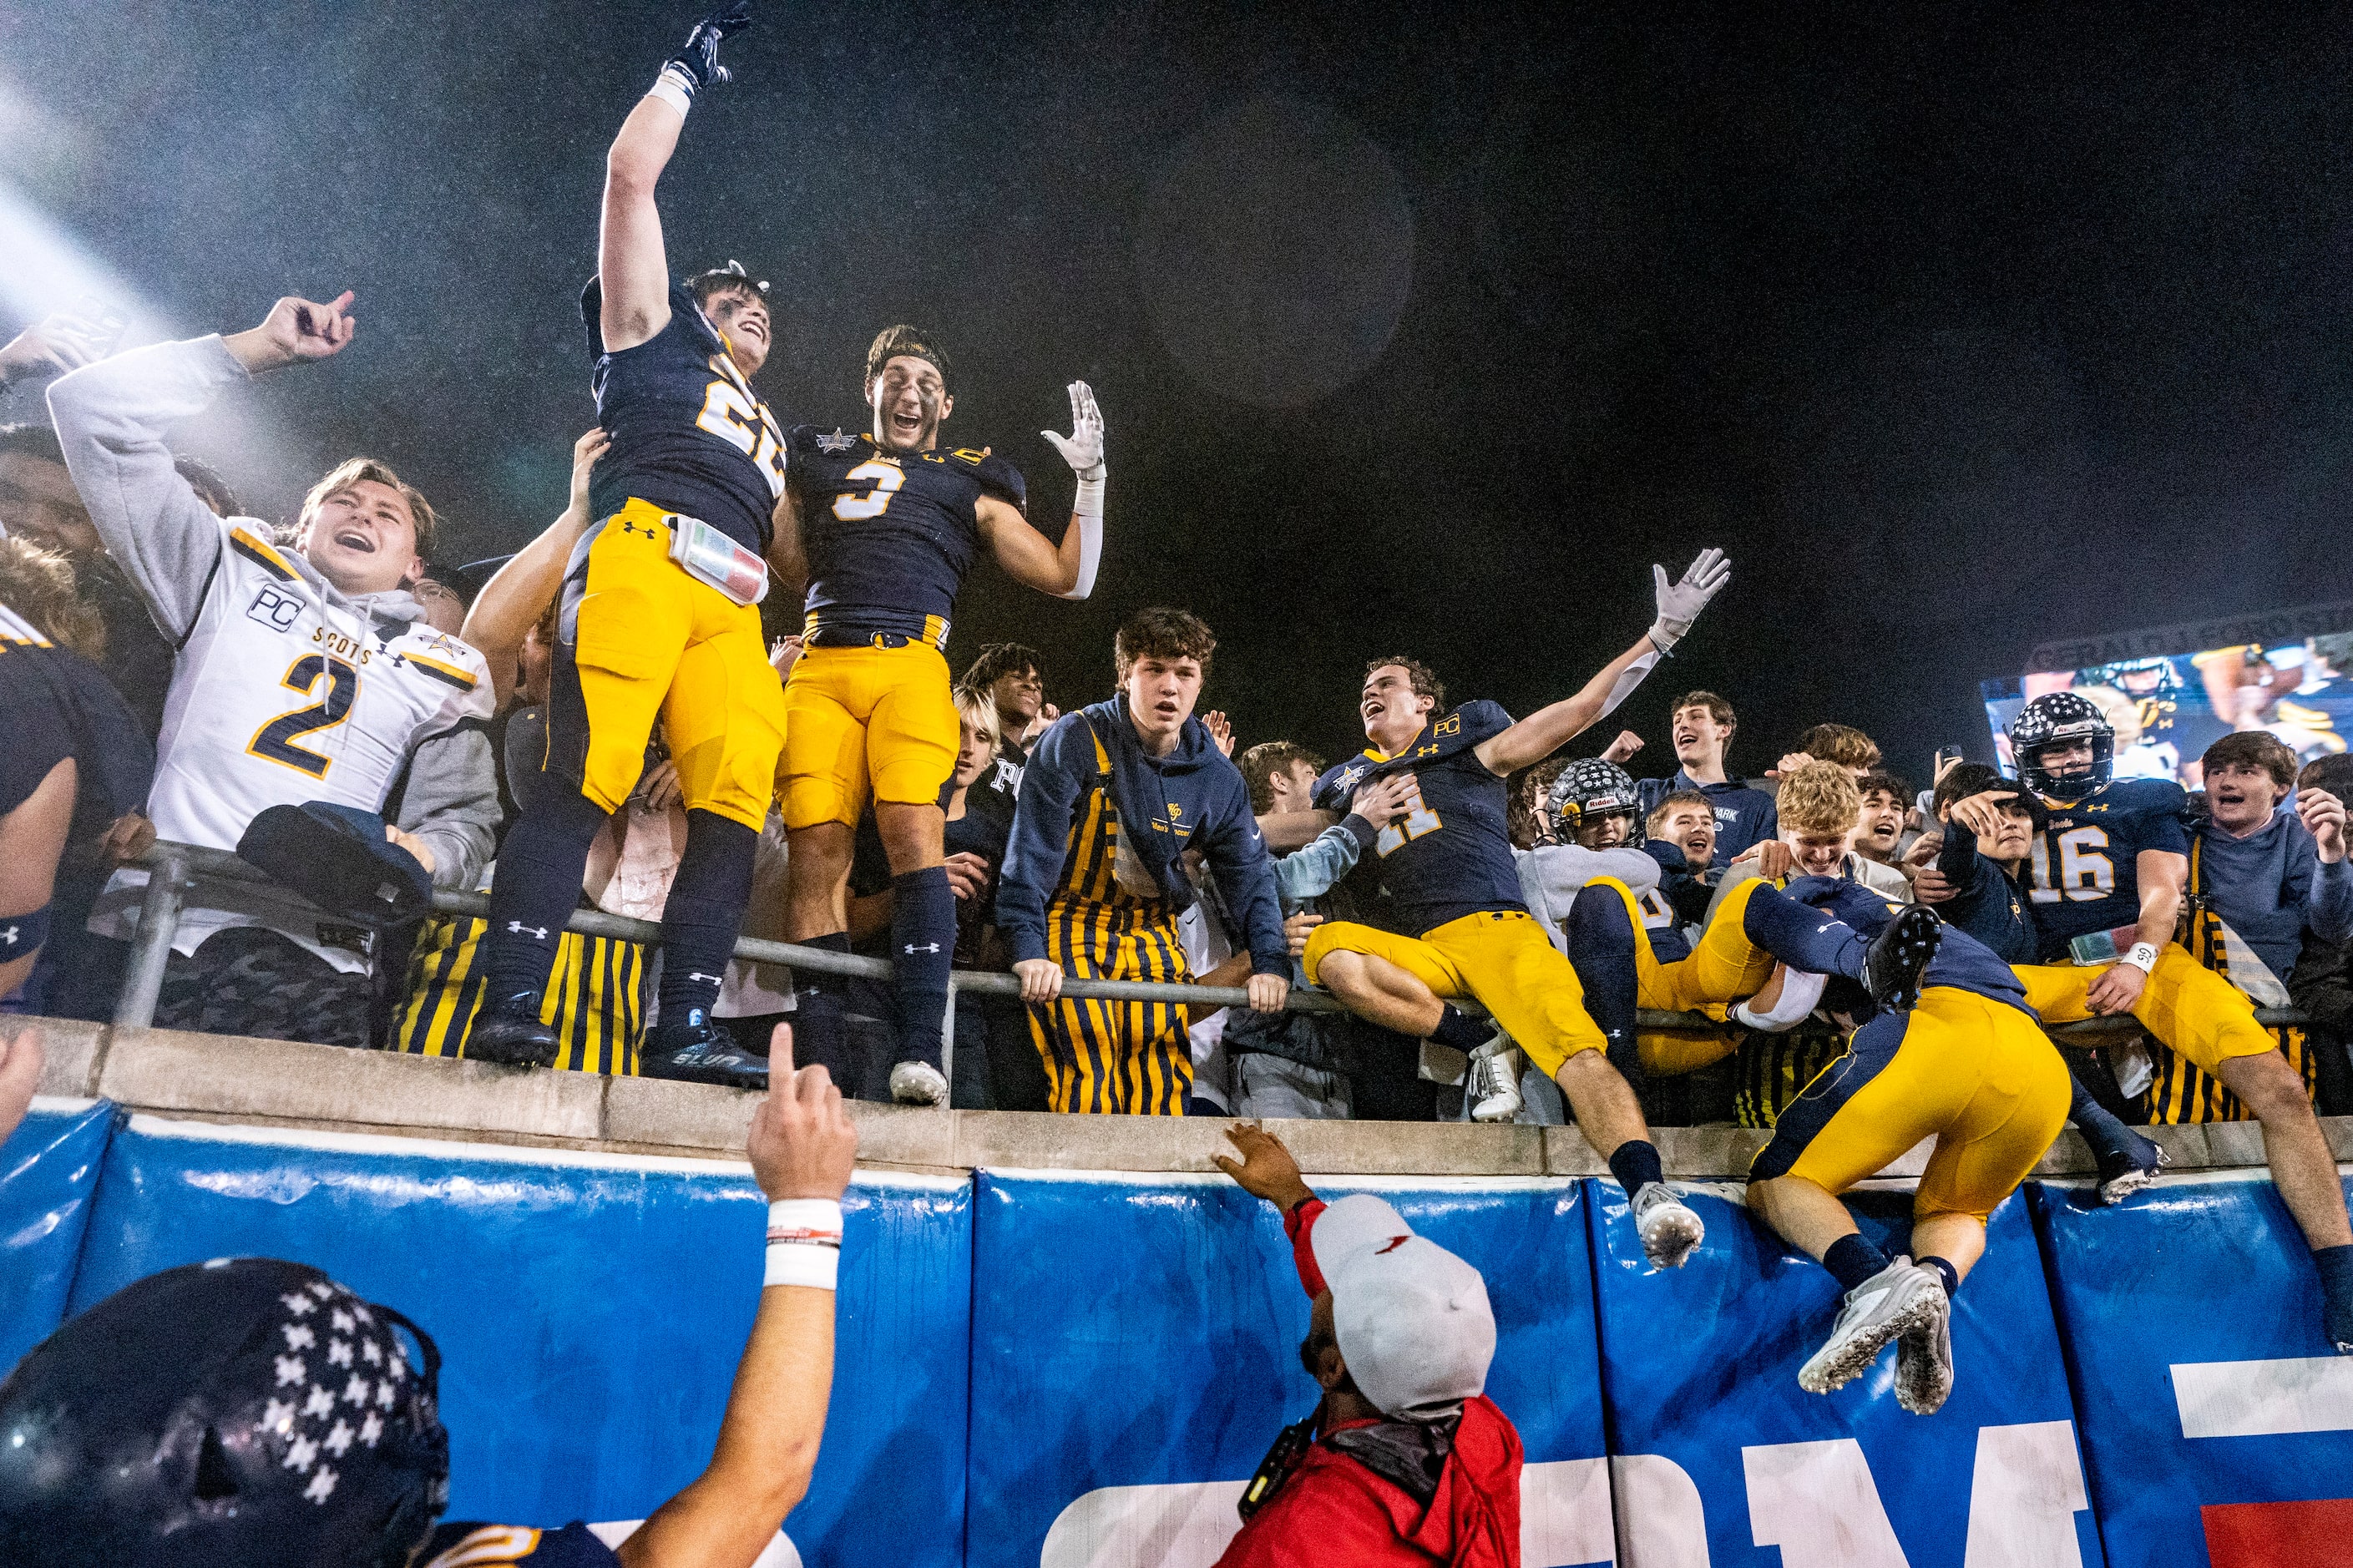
<point x="151" y="945"/>
<point x="947" y="1045"/>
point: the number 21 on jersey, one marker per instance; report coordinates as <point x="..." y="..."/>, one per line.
<point x="2083" y="874"/>
<point x="1418" y="820"/>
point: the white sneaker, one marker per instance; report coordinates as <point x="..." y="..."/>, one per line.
<point x="1670" y="1230"/>
<point x="1923" y="1363"/>
<point x="918" y="1083"/>
<point x="1892" y="1302"/>
<point x="1492" y="1089"/>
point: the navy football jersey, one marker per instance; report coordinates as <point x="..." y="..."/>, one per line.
<point x="1962" y="962"/>
<point x="2083" y="871"/>
<point x="1451" y="855"/>
<point x="689" y="433"/>
<point x="470" y="1545"/>
<point x="890" y="535"/>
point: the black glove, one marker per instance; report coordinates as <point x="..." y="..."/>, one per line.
<point x="699" y="58"/>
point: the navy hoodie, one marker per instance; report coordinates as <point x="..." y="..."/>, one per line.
<point x="1193" y="798"/>
<point x="1744" y="816"/>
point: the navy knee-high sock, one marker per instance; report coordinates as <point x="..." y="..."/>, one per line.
<point x="820" y="1035"/>
<point x="1801" y="936"/>
<point x="922" y="950"/>
<point x="2113" y="1142"/>
<point x="536" y="887"/>
<point x="1602" y="950"/>
<point x="703" y="915"/>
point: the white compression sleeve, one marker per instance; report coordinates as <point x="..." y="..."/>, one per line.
<point x="1628" y="681"/>
<point x="1088" y="513"/>
<point x="1800" y="992"/>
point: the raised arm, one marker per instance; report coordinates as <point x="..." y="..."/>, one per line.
<point x="1547" y="730"/>
<point x="632" y="269"/>
<point x="519" y="592"/>
<point x="111" y="417"/>
<point x="1067" y="570"/>
<point x="803" y="1148"/>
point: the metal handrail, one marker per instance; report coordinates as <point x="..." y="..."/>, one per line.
<point x="174" y="869"/>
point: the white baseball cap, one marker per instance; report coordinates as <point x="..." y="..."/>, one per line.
<point x="1411" y="1319"/>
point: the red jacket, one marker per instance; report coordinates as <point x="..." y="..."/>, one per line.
<point x="1333" y="1512"/>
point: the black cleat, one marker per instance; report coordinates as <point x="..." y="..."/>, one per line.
<point x="512" y="1033"/>
<point x="698" y="1053"/>
<point x="1899" y="956"/>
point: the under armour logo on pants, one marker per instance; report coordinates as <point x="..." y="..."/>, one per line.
<point x="537" y="933"/>
<point x="927" y="947"/>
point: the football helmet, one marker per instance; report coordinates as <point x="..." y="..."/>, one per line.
<point x="1589" y="788"/>
<point x="2053" y="719"/>
<point x="246" y="1411"/>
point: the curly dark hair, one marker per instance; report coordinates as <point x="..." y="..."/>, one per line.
<point x="1423" y="679"/>
<point x="1162" y="632"/>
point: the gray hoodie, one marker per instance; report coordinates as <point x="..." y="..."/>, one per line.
<point x="394" y="705"/>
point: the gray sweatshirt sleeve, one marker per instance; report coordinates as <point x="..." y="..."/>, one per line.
<point x="451" y="802"/>
<point x="111" y="417"/>
<point x="1309" y="873"/>
<point x="2329" y="917"/>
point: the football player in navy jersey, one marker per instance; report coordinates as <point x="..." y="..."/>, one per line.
<point x="1968" y="1065"/>
<point x="882" y="525"/>
<point x="1464" y="927"/>
<point x="251" y="1410"/>
<point x="1668" y="941"/>
<point x="659" y="614"/>
<point x="2108" y="871"/>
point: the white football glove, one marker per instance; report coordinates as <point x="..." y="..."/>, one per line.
<point x="1680" y="603"/>
<point x="1082" y="449"/>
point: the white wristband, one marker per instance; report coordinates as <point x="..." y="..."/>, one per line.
<point x="804" y="1243"/>
<point x="2142" y="957"/>
<point x="1091" y="494"/>
<point x="674" y="87"/>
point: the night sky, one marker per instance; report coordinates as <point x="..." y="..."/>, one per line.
<point x="1426" y="329"/>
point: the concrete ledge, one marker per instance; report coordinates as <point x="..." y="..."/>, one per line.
<point x="216" y="1077"/>
<point x="73" y="1051"/>
<point x="166" y="1071"/>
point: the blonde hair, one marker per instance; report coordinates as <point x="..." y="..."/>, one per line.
<point x="353" y="470"/>
<point x="979" y="710"/>
<point x="1818" y="799"/>
<point x="38" y="585"/>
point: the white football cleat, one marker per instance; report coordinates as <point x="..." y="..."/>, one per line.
<point x="918" y="1083"/>
<point x="1669" y="1229"/>
<point x="1923" y="1363"/>
<point x="1892" y="1303"/>
<point x="1492" y="1089"/>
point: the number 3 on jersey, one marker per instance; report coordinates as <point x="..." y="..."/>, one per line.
<point x="1416" y="822"/>
<point x="275" y="739"/>
<point x="2083" y="873"/>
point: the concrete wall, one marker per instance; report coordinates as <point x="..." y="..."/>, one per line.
<point x="279" y="1083"/>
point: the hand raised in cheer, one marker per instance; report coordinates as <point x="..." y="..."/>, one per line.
<point x="294" y="331"/>
<point x="51" y="346"/>
<point x="1082" y="449"/>
<point x="802" y="1143"/>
